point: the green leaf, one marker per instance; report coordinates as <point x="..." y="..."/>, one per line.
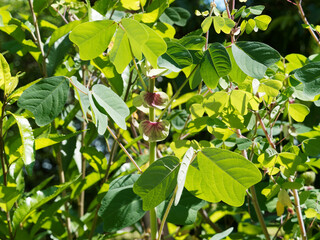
<point x="52" y="139"/>
<point x="239" y="100"/>
<point x="298" y="111"/>
<point x="251" y="25"/>
<point x="236" y="74"/>
<point x="164" y="29"/>
<point x="290" y="161"/>
<point x="254" y="58"/>
<point x="157" y="182"/>
<point x="216" y="103"/>
<point x="8" y="196"/>
<point x="133" y="4"/>
<point x="215" y="64"/>
<point x="39" y="5"/>
<point x="99" y="119"/>
<point x="309" y="75"/>
<point x="206" y="24"/>
<point x="104" y="64"/>
<point x="27" y="140"/>
<point x="243" y="143"/>
<point x="154" y="11"/>
<point x="185" y="213"/>
<point x="63" y="30"/>
<point x="175" y="15"/>
<point x="193" y="42"/>
<point x="93" y="38"/>
<point x="221" y="175"/>
<point x="5" y="74"/>
<point x="120" y="53"/>
<point x="96" y="159"/>
<point x="45" y="99"/>
<point x="112" y="104"/>
<point x="270" y="87"/>
<point x="218" y="23"/>
<point x="137" y="35"/>
<point x="182" y="174"/>
<point x="154" y="47"/>
<point x="176" y="58"/>
<point x="121" y="207"/>
<point x="311" y="146"/>
<point x="262" y="22"/>
<point x="31" y="203"/>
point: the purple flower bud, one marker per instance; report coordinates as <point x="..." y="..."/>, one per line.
<point x="156" y="100"/>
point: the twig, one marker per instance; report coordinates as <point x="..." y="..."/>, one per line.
<point x="35" y="22"/>
<point x="123" y="148"/>
<point x="208" y="220"/>
<point x="305" y="20"/>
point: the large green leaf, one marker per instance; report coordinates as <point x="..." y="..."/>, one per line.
<point x="137" y="35"/>
<point x="154" y="47"/>
<point x="254" y="58"/>
<point x="157" y="182"/>
<point x="215" y="64"/>
<point x="236" y="74"/>
<point x="27" y="141"/>
<point x="176" y="58"/>
<point x="185" y="212"/>
<point x="120" y="54"/>
<point x="45" y="99"/>
<point x="221" y="175"/>
<point x="112" y="104"/>
<point x="8" y="196"/>
<point x="93" y="38"/>
<point x="309" y="75"/>
<point x="121" y="207"/>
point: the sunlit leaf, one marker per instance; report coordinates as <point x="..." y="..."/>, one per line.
<point x="298" y="111"/>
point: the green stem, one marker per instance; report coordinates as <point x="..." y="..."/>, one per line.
<point x="167" y="212"/>
<point x="152" y="158"/>
<point x="177" y="93"/>
<point x="255" y="198"/>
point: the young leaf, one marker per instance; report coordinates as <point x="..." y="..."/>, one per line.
<point x="239" y="100"/>
<point x="157" y="182"/>
<point x="133" y="4"/>
<point x="221" y="175"/>
<point x="309" y="75"/>
<point x="298" y="111"/>
<point x="112" y="104"/>
<point x="262" y="22"/>
<point x="254" y="58"/>
<point x="93" y="38"/>
<point x="120" y="53"/>
<point x="206" y="24"/>
<point x="45" y="99"/>
<point x="270" y="87"/>
<point x="27" y="140"/>
<point x="5" y="74"/>
<point x="215" y="64"/>
<point x="154" y="47"/>
<point x="182" y="174"/>
<point x="121" y="207"/>
<point x="99" y="119"/>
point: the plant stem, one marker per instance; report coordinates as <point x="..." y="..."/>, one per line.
<point x="265" y="131"/>
<point x="62" y="181"/>
<point x="124" y="149"/>
<point x="299" y="213"/>
<point x="152" y="158"/>
<point x="254" y="198"/>
<point x="208" y="220"/>
<point x="176" y="94"/>
<point x="164" y="218"/>
<point x="4" y="165"/>
<point x="305" y="20"/>
<point x="40" y="45"/>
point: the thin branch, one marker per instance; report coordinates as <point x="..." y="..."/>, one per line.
<point x="305" y="20"/>
<point x="40" y="45"/>
<point x="208" y="220"/>
<point x="123" y="148"/>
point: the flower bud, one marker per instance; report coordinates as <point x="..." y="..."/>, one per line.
<point x="154" y="131"/>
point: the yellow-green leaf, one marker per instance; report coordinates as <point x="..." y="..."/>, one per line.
<point x="298" y="111"/>
<point x="262" y="22"/>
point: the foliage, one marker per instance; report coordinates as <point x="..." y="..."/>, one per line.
<point x="229" y="146"/>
